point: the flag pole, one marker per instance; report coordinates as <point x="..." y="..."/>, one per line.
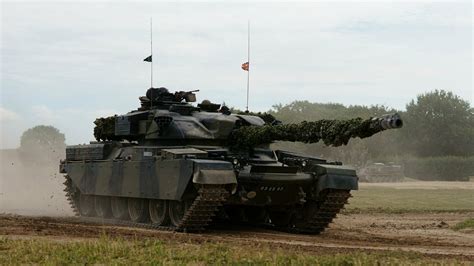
<point x="248" y="60"/>
<point x="151" y="51"/>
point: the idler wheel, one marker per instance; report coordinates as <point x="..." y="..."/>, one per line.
<point x="102" y="206"/>
<point x="280" y="218"/>
<point x="119" y="208"/>
<point x="86" y="205"/>
<point x="158" y="210"/>
<point x="138" y="210"/>
<point x="177" y="210"/>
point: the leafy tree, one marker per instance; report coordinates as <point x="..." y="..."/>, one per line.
<point x="439" y="123"/>
<point x="42" y="143"/>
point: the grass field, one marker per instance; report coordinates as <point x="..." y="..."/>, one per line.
<point x="466" y="224"/>
<point x="117" y="251"/>
<point x="395" y="200"/>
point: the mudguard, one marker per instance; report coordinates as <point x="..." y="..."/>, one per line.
<point x="336" y="177"/>
<point x="213" y="172"/>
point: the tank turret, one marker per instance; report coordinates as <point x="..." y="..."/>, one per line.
<point x="171" y="117"/>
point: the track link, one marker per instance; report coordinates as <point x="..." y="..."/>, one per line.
<point x="72" y="195"/>
<point x="322" y="212"/>
<point x="203" y="208"/>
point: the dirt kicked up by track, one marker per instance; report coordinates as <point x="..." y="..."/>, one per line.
<point x="426" y="233"/>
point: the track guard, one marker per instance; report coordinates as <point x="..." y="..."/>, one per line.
<point x="213" y="172"/>
<point x="166" y="179"/>
<point x="336" y="177"/>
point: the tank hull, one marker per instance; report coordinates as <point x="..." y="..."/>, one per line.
<point x="206" y="187"/>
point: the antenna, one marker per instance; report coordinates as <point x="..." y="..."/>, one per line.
<point x="248" y="62"/>
<point x="151" y="51"/>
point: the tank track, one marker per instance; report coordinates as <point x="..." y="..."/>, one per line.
<point x="72" y="195"/>
<point x="204" y="207"/>
<point x="210" y="198"/>
<point x="322" y="212"/>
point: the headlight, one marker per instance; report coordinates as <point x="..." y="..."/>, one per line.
<point x="303" y="163"/>
<point x="235" y="162"/>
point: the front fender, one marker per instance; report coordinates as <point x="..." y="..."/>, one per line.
<point x="213" y="172"/>
<point x="336" y="177"/>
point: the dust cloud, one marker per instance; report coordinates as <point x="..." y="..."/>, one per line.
<point x="31" y="185"/>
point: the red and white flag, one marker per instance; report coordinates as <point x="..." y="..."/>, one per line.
<point x="245" y="66"/>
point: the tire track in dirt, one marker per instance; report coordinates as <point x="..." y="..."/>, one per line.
<point x="360" y="232"/>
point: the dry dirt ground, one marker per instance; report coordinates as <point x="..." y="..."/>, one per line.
<point x="427" y="233"/>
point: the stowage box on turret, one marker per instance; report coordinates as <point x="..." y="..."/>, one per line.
<point x="172" y="165"/>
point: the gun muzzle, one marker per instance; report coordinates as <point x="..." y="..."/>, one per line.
<point x="389" y="121"/>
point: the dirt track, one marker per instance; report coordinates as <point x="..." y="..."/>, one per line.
<point x="428" y="234"/>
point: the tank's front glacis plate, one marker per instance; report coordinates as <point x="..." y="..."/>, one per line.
<point x="270" y="185"/>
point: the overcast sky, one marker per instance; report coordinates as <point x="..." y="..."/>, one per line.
<point x="66" y="64"/>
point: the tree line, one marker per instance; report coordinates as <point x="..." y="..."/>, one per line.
<point x="437" y="123"/>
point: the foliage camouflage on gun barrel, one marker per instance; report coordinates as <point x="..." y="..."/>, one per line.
<point x="266" y="117"/>
<point x="331" y="132"/>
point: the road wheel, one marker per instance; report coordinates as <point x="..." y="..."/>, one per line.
<point x="102" y="206"/>
<point x="138" y="210"/>
<point x="177" y="211"/>
<point x="86" y="205"/>
<point x="119" y="208"/>
<point x="158" y="210"/>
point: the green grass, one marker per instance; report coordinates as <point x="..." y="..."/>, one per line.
<point x="467" y="224"/>
<point x="411" y="200"/>
<point x="117" y="251"/>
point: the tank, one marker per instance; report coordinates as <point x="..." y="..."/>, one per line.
<point x="177" y="166"/>
<point x="381" y="172"/>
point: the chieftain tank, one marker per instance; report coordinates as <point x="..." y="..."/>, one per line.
<point x="173" y="165"/>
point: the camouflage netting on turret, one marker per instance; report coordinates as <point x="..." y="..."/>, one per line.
<point x="105" y="128"/>
<point x="331" y="132"/>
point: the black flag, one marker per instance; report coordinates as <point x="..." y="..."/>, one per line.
<point x="148" y="59"/>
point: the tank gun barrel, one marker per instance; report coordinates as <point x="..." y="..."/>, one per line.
<point x="331" y="132"/>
